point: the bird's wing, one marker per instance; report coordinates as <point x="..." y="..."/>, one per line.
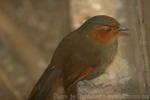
<point x="76" y="69"/>
<point x="81" y="76"/>
<point x="75" y="56"/>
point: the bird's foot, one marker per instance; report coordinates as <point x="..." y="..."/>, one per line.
<point x="90" y="83"/>
<point x="102" y="85"/>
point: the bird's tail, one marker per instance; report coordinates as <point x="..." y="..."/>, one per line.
<point x="47" y="85"/>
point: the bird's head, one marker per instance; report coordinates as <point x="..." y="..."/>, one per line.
<point x="103" y="29"/>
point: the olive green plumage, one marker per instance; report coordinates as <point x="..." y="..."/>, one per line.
<point x="75" y="53"/>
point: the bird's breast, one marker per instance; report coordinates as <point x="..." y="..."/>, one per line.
<point x="104" y="57"/>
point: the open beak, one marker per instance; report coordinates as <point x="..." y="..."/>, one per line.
<point x="122" y="31"/>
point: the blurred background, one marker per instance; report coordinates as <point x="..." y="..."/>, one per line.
<point x="30" y="30"/>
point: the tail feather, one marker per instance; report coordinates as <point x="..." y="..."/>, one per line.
<point x="47" y="85"/>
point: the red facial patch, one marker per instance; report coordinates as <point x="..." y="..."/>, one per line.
<point x="103" y="34"/>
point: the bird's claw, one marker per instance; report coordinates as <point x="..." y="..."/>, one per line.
<point x="90" y="83"/>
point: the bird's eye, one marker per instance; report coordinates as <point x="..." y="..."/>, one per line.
<point x="109" y="29"/>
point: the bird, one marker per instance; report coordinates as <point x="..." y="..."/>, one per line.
<point x="83" y="54"/>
